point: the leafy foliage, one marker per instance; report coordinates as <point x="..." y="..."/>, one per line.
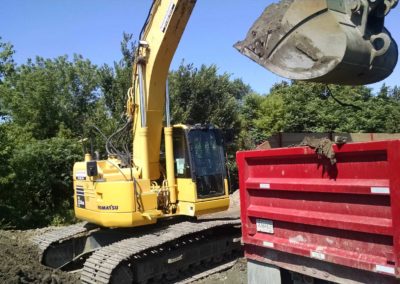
<point x="203" y="96"/>
<point x="48" y="105"/>
<point x="48" y="96"/>
<point x="41" y="185"/>
<point x="308" y="107"/>
<point x="7" y="68"/>
<point x="206" y="97"/>
<point x="115" y="81"/>
<point x="6" y="60"/>
<point x="5" y="154"/>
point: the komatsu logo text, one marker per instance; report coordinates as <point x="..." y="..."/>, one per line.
<point x="108" y="208"/>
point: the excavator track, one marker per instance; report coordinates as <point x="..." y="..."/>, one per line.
<point x="67" y="248"/>
<point x="50" y="245"/>
<point x="171" y="251"/>
<point x="162" y="255"/>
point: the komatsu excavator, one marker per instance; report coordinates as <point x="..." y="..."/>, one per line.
<point x="177" y="173"/>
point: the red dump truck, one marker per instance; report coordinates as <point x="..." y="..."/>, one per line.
<point x="312" y="220"/>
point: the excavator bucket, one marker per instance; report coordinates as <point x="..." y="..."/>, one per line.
<point x="327" y="41"/>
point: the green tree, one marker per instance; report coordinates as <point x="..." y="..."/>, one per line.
<point x="5" y="155"/>
<point x="7" y="64"/>
<point x="48" y="96"/>
<point x="261" y="117"/>
<point x="46" y="106"/>
<point x="7" y="67"/>
<point x="203" y="96"/>
<point x="115" y="81"/>
<point x="310" y="107"/>
<point x="42" y="177"/>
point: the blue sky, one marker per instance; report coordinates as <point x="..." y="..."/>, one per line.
<point x="94" y="28"/>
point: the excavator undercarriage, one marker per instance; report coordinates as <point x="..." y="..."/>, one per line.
<point x="172" y="251"/>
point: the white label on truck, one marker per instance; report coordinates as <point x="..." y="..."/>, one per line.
<point x="385" y="269"/>
<point x="380" y="190"/>
<point x="268" y="244"/>
<point x="265" y="186"/>
<point x="265" y="226"/>
<point x="317" y="255"/>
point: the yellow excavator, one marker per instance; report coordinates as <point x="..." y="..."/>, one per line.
<point x="177" y="173"/>
<point x="190" y="180"/>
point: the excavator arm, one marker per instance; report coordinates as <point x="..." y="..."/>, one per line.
<point x="328" y="41"/>
<point x="159" y="40"/>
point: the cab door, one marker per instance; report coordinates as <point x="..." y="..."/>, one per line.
<point x="207" y="162"/>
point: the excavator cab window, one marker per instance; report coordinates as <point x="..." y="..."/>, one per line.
<point x="199" y="155"/>
<point x="208" y="166"/>
<point x="181" y="155"/>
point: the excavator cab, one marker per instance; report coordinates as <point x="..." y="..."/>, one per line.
<point x="199" y="156"/>
<point x="327" y="41"/>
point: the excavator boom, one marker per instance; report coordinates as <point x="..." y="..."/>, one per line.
<point x="328" y="41"/>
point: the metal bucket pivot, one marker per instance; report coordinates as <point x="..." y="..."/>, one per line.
<point x="327" y="41"/>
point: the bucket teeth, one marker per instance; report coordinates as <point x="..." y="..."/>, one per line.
<point x="265" y="32"/>
<point x="327" y="41"/>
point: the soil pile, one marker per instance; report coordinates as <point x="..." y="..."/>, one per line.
<point x="20" y="264"/>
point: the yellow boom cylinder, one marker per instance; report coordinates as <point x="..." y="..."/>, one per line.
<point x="143" y="133"/>
<point x="169" y="160"/>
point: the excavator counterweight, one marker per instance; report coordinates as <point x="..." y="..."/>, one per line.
<point x="327" y="41"/>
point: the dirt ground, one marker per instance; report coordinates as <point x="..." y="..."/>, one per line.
<point x="19" y="264"/>
<point x="236" y="275"/>
<point x="19" y="261"/>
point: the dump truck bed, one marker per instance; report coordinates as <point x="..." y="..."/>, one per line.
<point x="335" y="222"/>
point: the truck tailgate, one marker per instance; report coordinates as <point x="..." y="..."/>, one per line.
<point x="303" y="214"/>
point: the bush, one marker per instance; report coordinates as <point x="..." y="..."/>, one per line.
<point x="42" y="185"/>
